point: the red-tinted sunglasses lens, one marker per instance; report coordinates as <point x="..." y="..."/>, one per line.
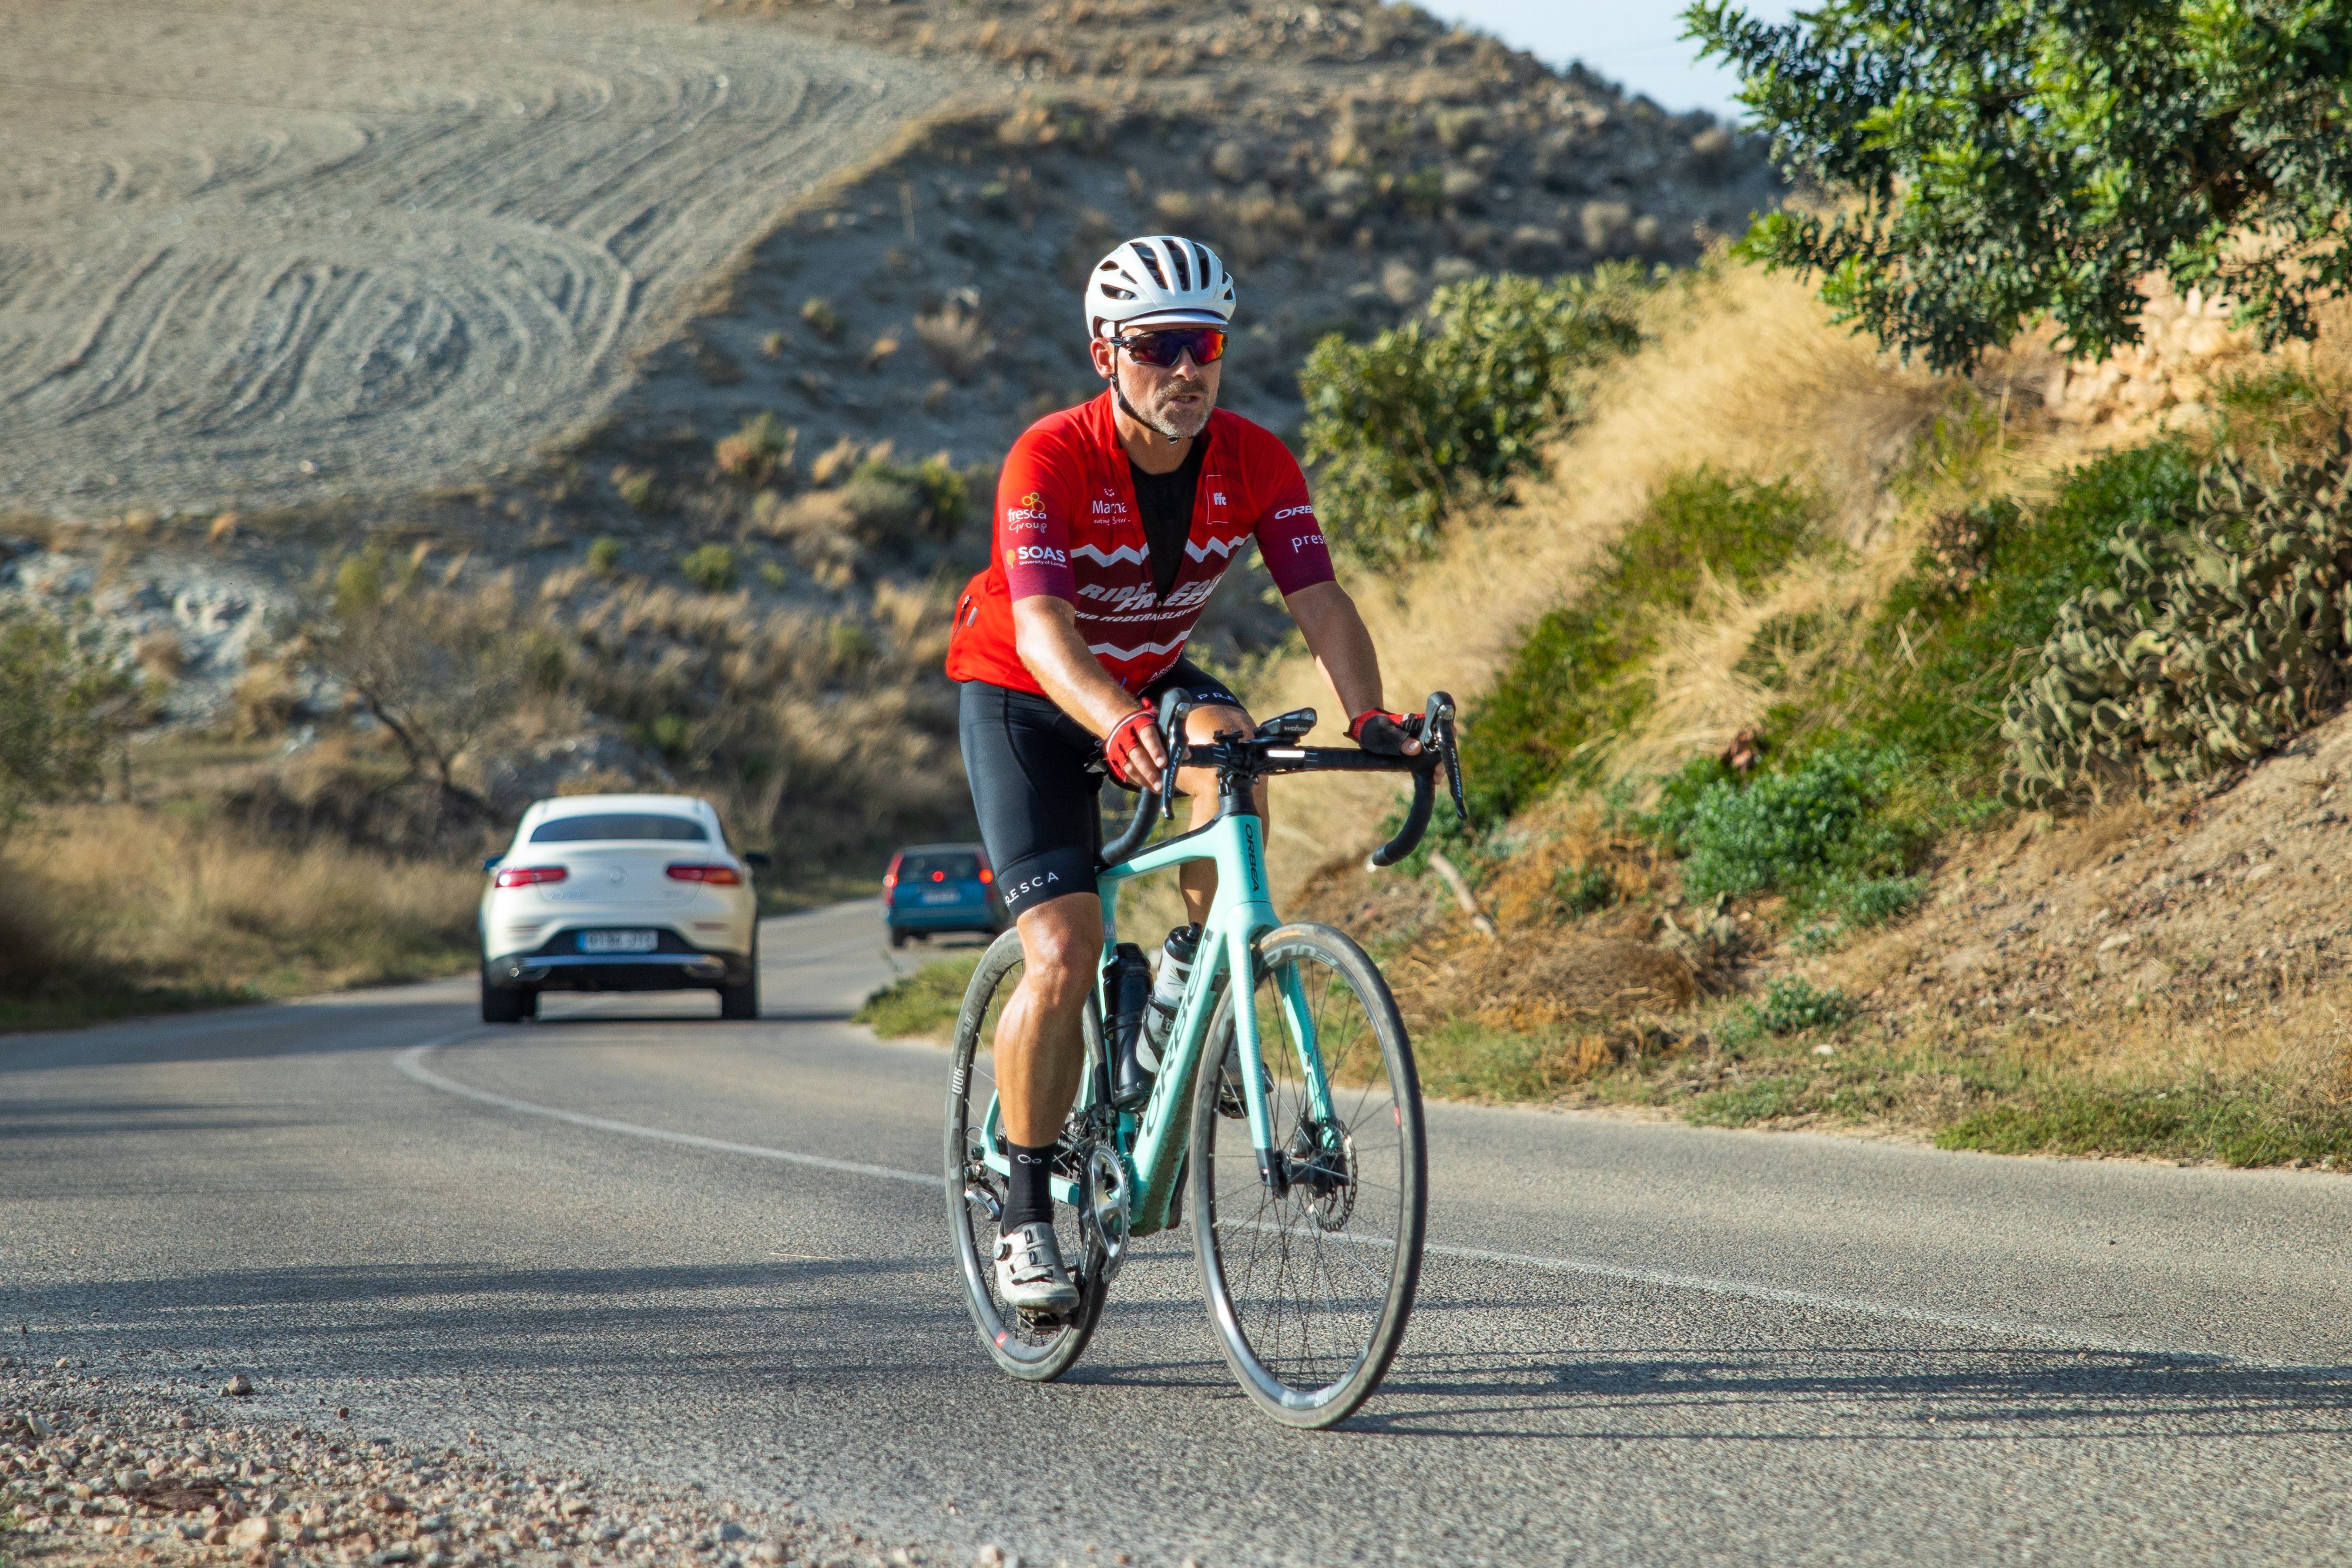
<point x="1164" y="349"/>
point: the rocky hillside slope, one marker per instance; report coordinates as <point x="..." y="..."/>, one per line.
<point x="745" y="557"/>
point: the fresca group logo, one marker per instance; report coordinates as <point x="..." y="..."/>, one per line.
<point x="1039" y="555"/>
<point x="1032" y="499"/>
<point x="1024" y="519"/>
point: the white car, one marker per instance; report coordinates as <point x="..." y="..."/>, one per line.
<point x="619" y="892"/>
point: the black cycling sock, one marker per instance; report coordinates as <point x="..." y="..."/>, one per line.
<point x="1028" y="1195"/>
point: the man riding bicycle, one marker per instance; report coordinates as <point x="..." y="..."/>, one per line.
<point x="1114" y="522"/>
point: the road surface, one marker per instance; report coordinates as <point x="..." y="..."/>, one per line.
<point x="640" y="1240"/>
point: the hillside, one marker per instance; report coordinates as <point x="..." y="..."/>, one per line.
<point x="1745" y="814"/>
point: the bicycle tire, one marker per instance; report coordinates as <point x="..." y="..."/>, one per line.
<point x="1032" y="1352"/>
<point x="1259" y="1254"/>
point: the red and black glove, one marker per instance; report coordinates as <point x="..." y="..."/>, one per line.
<point x="1382" y="734"/>
<point x="1125" y="740"/>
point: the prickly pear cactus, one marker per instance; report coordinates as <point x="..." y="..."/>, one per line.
<point x="2223" y="636"/>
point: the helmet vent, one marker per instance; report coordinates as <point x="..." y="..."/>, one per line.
<point x="1150" y="264"/>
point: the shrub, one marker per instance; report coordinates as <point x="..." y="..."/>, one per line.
<point x="773" y="574"/>
<point x="1792" y="1004"/>
<point x="1817" y="829"/>
<point x="759" y="450"/>
<point x="64" y="706"/>
<point x="2221" y="636"/>
<point x="1566" y="689"/>
<point x="1454" y="404"/>
<point x="711" y="568"/>
<point x="640" y="490"/>
<point x="604" y="555"/>
<point x="957" y="338"/>
<point x="820" y="317"/>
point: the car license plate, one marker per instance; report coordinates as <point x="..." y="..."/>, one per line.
<point x="941" y="895"/>
<point x="618" y="941"/>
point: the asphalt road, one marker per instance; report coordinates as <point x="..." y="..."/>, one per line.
<point x="654" y="1245"/>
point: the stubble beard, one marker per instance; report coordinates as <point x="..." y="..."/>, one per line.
<point x="1176" y="424"/>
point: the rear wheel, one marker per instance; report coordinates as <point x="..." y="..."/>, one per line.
<point x="1033" y="1350"/>
<point x="1310" y="1286"/>
<point x="743" y="1002"/>
<point x="897" y="938"/>
<point x="505" y="1004"/>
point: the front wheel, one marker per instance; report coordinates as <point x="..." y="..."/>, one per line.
<point x="1029" y="1349"/>
<point x="1310" y="1270"/>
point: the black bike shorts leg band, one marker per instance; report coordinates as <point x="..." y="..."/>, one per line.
<point x="1049" y="874"/>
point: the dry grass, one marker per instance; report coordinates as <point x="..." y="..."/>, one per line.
<point x="957" y="338"/>
<point x="122" y="909"/>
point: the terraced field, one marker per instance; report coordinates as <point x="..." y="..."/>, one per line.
<point x="285" y="249"/>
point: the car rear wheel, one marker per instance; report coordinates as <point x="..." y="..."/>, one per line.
<point x="506" y="1004"/>
<point x="898" y="937"/>
<point x="743" y="1001"/>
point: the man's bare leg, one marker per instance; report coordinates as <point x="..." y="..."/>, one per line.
<point x="1040" y="1046"/>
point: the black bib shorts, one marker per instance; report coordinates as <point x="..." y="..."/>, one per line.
<point x="1036" y="782"/>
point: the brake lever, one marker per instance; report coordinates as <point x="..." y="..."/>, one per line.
<point x="1172" y="709"/>
<point x="1437" y="729"/>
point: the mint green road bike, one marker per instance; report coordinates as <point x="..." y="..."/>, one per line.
<point x="1286" y="1103"/>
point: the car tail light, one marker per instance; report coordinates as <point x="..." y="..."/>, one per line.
<point x="938" y="876"/>
<point x="525" y="875"/>
<point x="724" y="875"/>
<point x="986" y="876"/>
<point x="890" y="877"/>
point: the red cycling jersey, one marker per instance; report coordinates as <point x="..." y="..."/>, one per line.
<point x="1067" y="525"/>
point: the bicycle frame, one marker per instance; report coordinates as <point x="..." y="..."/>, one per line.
<point x="1151" y="1140"/>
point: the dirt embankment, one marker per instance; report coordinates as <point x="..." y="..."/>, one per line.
<point x="294" y="251"/>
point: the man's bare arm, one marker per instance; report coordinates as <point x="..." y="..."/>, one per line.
<point x="1343" y="649"/>
<point x="1045" y="631"/>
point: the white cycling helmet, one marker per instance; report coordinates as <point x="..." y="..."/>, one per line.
<point x="1159" y="280"/>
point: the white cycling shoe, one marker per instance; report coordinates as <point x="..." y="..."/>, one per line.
<point x="1030" y="1275"/>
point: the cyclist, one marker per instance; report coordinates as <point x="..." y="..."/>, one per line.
<point x="1114" y="522"/>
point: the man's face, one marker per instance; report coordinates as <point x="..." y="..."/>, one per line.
<point x="1177" y="397"/>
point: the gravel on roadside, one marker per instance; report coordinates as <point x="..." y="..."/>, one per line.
<point x="103" y="1470"/>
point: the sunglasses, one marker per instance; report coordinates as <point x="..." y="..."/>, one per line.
<point x="1160" y="349"/>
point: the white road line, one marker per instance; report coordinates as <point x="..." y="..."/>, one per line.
<point x="412" y="1062"/>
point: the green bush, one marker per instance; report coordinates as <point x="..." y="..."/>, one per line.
<point x="822" y="317"/>
<point x="1792" y="1004"/>
<point x="1817" y="832"/>
<point x="2223" y="632"/>
<point x="711" y="568"/>
<point x="604" y="555"/>
<point x="64" y="706"/>
<point x="1455" y="404"/>
<point x="1568" y="690"/>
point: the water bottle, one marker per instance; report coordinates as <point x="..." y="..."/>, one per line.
<point x="1130" y="994"/>
<point x="1168" y="993"/>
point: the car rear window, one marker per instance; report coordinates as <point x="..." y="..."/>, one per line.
<point x="619" y="825"/>
<point x="959" y="868"/>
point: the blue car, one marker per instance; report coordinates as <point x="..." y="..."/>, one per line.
<point x="932" y="888"/>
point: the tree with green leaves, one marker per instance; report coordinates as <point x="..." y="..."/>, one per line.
<point x="64" y="707"/>
<point x="2004" y="161"/>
